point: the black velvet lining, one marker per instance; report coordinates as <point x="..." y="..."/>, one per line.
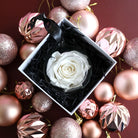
<point x="71" y="40"/>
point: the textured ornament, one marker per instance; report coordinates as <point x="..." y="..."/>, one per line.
<point x="88" y="109"/>
<point x="10" y="110"/>
<point x="26" y="50"/>
<point x="126" y="84"/>
<point x="34" y="35"/>
<point x="114" y="116"/>
<point x="41" y="102"/>
<point x="131" y="53"/>
<point x="3" y="78"/>
<point x="104" y="92"/>
<point x="24" y="90"/>
<point x="66" y="128"/>
<point x="8" y="49"/>
<point x="91" y="129"/>
<point x="111" y="40"/>
<point x="32" y="126"/>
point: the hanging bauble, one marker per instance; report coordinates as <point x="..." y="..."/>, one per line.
<point x="58" y="13"/>
<point x="10" y="110"/>
<point x="88" y="109"/>
<point x="111" y="40"/>
<point x="32" y="126"/>
<point x="8" y="49"/>
<point x="26" y="50"/>
<point x="3" y="78"/>
<point x="91" y="129"/>
<point x="104" y="92"/>
<point x="66" y="127"/>
<point x="75" y="5"/>
<point x="126" y="84"/>
<point x="34" y="35"/>
<point x="41" y="102"/>
<point x="86" y="22"/>
<point x="131" y="53"/>
<point x="114" y="116"/>
<point x="24" y="90"/>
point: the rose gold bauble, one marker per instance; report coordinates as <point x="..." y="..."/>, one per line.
<point x="26" y="50"/>
<point x="88" y="109"/>
<point x="131" y="53"/>
<point x="86" y="22"/>
<point x="58" y="13"/>
<point x="75" y="5"/>
<point x="32" y="126"/>
<point x="8" y="49"/>
<point x="3" y="78"/>
<point x="111" y="40"/>
<point x="104" y="92"/>
<point x="91" y="129"/>
<point x="41" y="102"/>
<point x="114" y="116"/>
<point x="24" y="90"/>
<point x="66" y="127"/>
<point x="10" y="110"/>
<point x="126" y="84"/>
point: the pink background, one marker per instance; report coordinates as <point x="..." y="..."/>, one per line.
<point x="121" y="14"/>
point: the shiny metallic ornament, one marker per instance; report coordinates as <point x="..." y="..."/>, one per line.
<point x="111" y="40"/>
<point x="91" y="129"/>
<point x="88" y="109"/>
<point x="41" y="102"/>
<point x="34" y="35"/>
<point x="66" y="127"/>
<point x="8" y="49"/>
<point x="126" y="84"/>
<point x="3" y="78"/>
<point x="75" y="5"/>
<point x="32" y="126"/>
<point x="24" y="90"/>
<point x="10" y="110"/>
<point x="104" y="92"/>
<point x="58" y="13"/>
<point x="114" y="116"/>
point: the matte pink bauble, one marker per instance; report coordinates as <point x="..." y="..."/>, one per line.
<point x="10" y="110"/>
<point x="86" y="22"/>
<point x="41" y="102"/>
<point x="91" y="129"/>
<point x="8" y="49"/>
<point x="66" y="127"/>
<point x="3" y="78"/>
<point x="26" y="50"/>
<point x="104" y="92"/>
<point x="126" y="84"/>
<point x="58" y="13"/>
<point x="75" y="5"/>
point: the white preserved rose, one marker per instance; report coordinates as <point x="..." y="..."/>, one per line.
<point x="67" y="70"/>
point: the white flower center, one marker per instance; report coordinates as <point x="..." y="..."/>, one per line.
<point x="67" y="70"/>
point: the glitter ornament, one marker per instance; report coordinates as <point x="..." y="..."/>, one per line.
<point x="32" y="126"/>
<point x="3" y="78"/>
<point x="91" y="129"/>
<point x="111" y="40"/>
<point x="41" y="102"/>
<point x="8" y="49"/>
<point x="114" y="116"/>
<point x="88" y="109"/>
<point x="126" y="84"/>
<point x="10" y="110"/>
<point x="34" y="35"/>
<point x="66" y="128"/>
<point x="104" y="92"/>
<point x="24" y="90"/>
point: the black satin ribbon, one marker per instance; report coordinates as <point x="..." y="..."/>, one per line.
<point x="52" y="28"/>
